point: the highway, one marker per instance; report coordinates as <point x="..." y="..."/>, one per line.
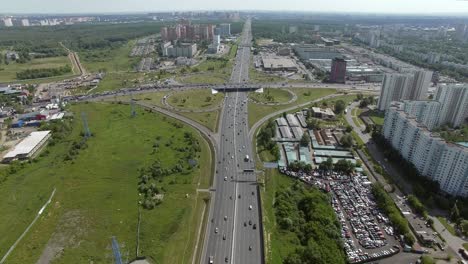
<point x="234" y="229"/>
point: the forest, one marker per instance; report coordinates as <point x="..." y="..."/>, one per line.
<point x="306" y="214"/>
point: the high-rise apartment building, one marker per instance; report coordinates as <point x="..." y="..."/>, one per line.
<point x="454" y="101"/>
<point x="8" y="22"/>
<point x="421" y="82"/>
<point x="433" y="157"/>
<point x="426" y="112"/>
<point x="461" y="32"/>
<point x="394" y="88"/>
<point x="404" y="86"/>
<point x="224" y="30"/>
<point x="25" y="22"/>
<point x="338" y="71"/>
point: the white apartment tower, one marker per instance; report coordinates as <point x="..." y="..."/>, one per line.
<point x="426" y="112"/>
<point x="433" y="157"/>
<point x="454" y="104"/>
<point x="394" y="88"/>
<point x="401" y="86"/>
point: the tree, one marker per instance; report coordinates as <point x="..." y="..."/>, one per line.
<point x="313" y="123"/>
<point x="464" y="227"/>
<point x="454" y="213"/>
<point x="346" y="140"/>
<point x="344" y="166"/>
<point x="340" y="106"/>
<point x="305" y="140"/>
<point x="327" y="165"/>
<point x="349" y="129"/>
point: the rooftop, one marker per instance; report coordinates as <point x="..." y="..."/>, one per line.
<point x="27" y="144"/>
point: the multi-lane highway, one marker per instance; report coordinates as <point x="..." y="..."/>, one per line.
<point x="234" y="228"/>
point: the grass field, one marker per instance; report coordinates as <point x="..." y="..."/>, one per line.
<point x="377" y="118"/>
<point x="111" y="60"/>
<point x="355" y="115"/>
<point x="212" y="78"/>
<point x="8" y="72"/>
<point x="448" y="226"/>
<point x="97" y="193"/>
<point x="195" y="99"/>
<point x="270" y="95"/>
<point x="209" y="119"/>
<point x="257" y="111"/>
<point x="277" y="243"/>
<point x="117" y="80"/>
<point x="153" y="97"/>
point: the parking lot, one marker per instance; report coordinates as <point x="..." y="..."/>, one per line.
<point x="367" y="233"/>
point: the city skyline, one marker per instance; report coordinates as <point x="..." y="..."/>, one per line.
<point x="455" y="7"/>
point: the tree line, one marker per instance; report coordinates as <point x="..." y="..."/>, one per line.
<point x="42" y="73"/>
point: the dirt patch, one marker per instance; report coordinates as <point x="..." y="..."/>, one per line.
<point x="70" y="229"/>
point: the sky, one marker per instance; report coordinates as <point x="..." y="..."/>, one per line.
<point x="342" y="6"/>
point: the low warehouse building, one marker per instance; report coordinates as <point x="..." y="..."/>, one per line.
<point x="28" y="146"/>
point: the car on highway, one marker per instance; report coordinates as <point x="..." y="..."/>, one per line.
<point x="216" y="230"/>
<point x="225" y="178"/>
<point x="254" y="226"/>
<point x="225" y="217"/>
<point x="250" y="207"/>
<point x="211" y="261"/>
<point x="226" y="259"/>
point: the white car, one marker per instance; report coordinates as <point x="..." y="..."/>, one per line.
<point x="250" y="207"/>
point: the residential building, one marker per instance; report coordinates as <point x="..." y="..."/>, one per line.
<point x="187" y="32"/>
<point x="338" y="71"/>
<point x="224" y="30"/>
<point x="180" y="50"/>
<point x="411" y="86"/>
<point x="25" y="22"/>
<point x="394" y="88"/>
<point x="454" y="101"/>
<point x="461" y="32"/>
<point x="164" y="34"/>
<point x="426" y="112"/>
<point x="421" y="82"/>
<point x="432" y="156"/>
<point x="214" y="47"/>
<point x="8" y="22"/>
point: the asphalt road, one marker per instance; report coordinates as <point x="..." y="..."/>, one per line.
<point x="234" y="229"/>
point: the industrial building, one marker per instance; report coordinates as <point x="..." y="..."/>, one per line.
<point x="326" y="113"/>
<point x="28" y="146"/>
<point x="433" y="157"/>
<point x="278" y="64"/>
<point x="309" y="51"/>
